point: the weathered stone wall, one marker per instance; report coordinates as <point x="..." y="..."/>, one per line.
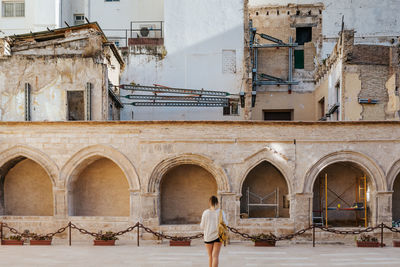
<point x="146" y="151"/>
<point x="101" y="189"/>
<point x="185" y="191"/>
<point x="28" y="190"/>
<point x="262" y="180"/>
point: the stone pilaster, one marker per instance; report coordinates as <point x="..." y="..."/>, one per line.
<point x="301" y="207"/>
<point x="135" y="201"/>
<point x="149" y="208"/>
<point x="384" y="207"/>
<point x="229" y="206"/>
<point x="60" y="203"/>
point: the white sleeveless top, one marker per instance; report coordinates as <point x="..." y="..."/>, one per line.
<point x="209" y="224"/>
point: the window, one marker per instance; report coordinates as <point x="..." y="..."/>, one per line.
<point x="232" y="109"/>
<point x="299" y="59"/>
<point x="111" y="0"/>
<point x="321" y="107"/>
<point x="76" y="105"/>
<point x="278" y="115"/>
<point x="79" y="19"/>
<point x="303" y="35"/>
<point x="13" y="9"/>
<point x="28" y="102"/>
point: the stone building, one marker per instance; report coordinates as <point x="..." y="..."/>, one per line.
<point x="358" y="82"/>
<point x="61" y="74"/>
<point x="300" y="37"/>
<point x="108" y="175"/>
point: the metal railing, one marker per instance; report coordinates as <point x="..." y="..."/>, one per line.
<point x="137" y="29"/>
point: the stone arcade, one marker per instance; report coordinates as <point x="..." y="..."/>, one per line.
<point x="108" y="175"/>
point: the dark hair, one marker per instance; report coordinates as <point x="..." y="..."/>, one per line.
<point x="214" y="201"/>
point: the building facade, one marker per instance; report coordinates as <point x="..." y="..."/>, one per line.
<point x="108" y="175"/>
<point x="314" y="26"/>
<point x="63" y="74"/>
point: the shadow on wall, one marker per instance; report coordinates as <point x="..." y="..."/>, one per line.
<point x="26" y="189"/>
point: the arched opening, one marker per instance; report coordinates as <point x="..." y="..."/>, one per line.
<point x="25" y="189"/>
<point x="185" y="190"/>
<point x="340" y="194"/>
<point x="396" y="201"/>
<point x="264" y="193"/>
<point x="99" y="188"/>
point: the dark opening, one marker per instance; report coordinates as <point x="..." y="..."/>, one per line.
<point x="321" y="103"/>
<point x="76" y="106"/>
<point x="278" y="115"/>
<point x="299" y="59"/>
<point x="303" y="35"/>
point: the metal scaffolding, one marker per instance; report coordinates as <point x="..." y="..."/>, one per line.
<point x="265" y="79"/>
<point x="161" y="96"/>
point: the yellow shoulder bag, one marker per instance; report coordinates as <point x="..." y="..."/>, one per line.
<point x="222" y="229"/>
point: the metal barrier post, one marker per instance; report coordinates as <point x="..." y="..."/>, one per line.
<point x="313" y="236"/>
<point x="69" y="231"/>
<point x="381" y="235"/>
<point x="138" y="228"/>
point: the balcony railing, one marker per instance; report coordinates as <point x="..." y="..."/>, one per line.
<point x="138" y="29"/>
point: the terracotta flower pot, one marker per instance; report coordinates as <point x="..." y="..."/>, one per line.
<point x="263" y="243"/>
<point x="180" y="243"/>
<point x="104" y="242"/>
<point x="396" y="243"/>
<point x="12" y="242"/>
<point x="40" y="242"/>
<point x="365" y="244"/>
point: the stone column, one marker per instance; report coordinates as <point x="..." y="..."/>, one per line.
<point x="60" y="203"/>
<point x="383" y="206"/>
<point x="149" y="209"/>
<point x="134" y="200"/>
<point x="229" y="206"/>
<point x="300" y="211"/>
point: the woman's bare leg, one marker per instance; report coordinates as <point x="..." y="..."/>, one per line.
<point x="215" y="253"/>
<point x="209" y="248"/>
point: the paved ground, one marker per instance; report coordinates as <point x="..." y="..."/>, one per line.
<point x="236" y="254"/>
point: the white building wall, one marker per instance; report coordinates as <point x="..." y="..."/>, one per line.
<point x="114" y="17"/>
<point x="196" y="33"/>
<point x="374" y="21"/>
<point x="39" y="15"/>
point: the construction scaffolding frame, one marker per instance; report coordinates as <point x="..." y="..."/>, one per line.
<point x="265" y="79"/>
<point x="162" y="96"/>
<point x="360" y="203"/>
<point x="261" y="200"/>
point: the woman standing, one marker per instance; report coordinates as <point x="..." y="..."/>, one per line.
<point x="209" y="224"/>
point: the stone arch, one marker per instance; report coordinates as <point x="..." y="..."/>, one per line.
<point x="364" y="162"/>
<point x="14" y="161"/>
<point x="393" y="178"/>
<point x="275" y="159"/>
<point x="192" y="159"/>
<point x="90" y="154"/>
<point x="392" y="174"/>
<point x="34" y="154"/>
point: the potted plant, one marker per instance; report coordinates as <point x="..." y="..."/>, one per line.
<point x="367" y="241"/>
<point x="13" y="240"/>
<point x="181" y="242"/>
<point x="107" y="239"/>
<point x="38" y="240"/>
<point x="264" y="240"/>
